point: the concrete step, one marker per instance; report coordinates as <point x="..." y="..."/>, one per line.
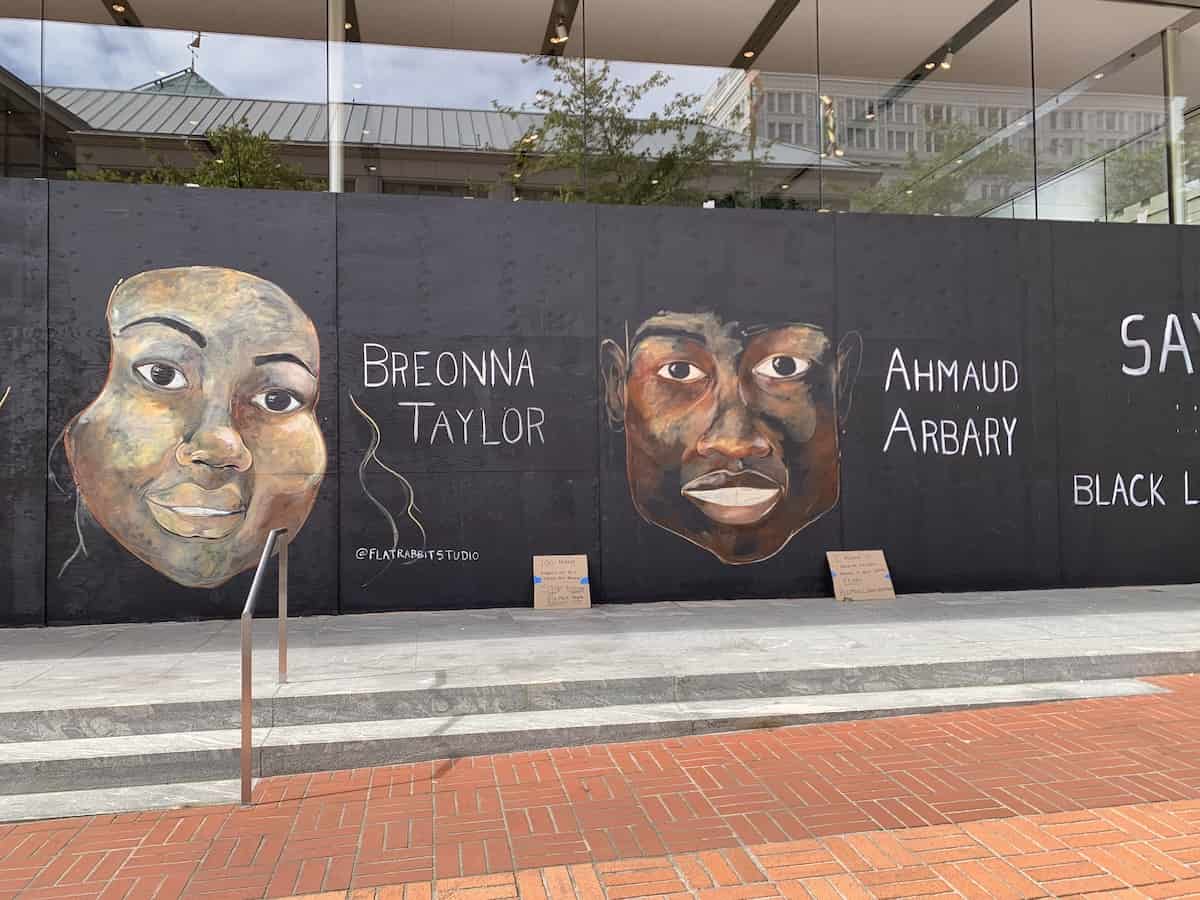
<point x="80" y="767"/>
<point x="409" y="696"/>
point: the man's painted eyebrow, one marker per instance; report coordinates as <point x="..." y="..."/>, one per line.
<point x="283" y="357"/>
<point x="181" y="326"/>
<point x="668" y="332"/>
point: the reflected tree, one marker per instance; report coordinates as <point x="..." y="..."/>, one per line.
<point x="233" y="157"/>
<point x="964" y="177"/>
<point x="597" y="150"/>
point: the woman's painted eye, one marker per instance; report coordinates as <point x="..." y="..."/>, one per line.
<point x="781" y="367"/>
<point x="681" y="371"/>
<point x="162" y="376"/>
<point x="277" y="401"/>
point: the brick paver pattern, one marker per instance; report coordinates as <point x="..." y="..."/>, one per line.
<point x="1064" y="798"/>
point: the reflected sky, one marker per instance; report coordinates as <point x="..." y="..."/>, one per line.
<point x="246" y="66"/>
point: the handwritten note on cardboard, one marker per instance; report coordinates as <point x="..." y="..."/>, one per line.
<point x="561" y="582"/>
<point x="860" y="575"/>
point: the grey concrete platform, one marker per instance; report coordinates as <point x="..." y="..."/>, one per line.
<point x="399" y="680"/>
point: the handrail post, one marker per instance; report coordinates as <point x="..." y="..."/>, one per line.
<point x="247" y="704"/>
<point x="283" y="606"/>
<point x="278" y="536"/>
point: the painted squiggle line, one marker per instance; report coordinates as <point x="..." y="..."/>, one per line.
<point x="411" y="508"/>
<point x="81" y="547"/>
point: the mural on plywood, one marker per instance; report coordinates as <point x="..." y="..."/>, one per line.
<point x="732" y="430"/>
<point x="204" y="436"/>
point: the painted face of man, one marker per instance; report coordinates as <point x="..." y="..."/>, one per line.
<point x="731" y="432"/>
<point x="204" y="437"/>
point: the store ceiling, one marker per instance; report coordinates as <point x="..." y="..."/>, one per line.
<point x="879" y="40"/>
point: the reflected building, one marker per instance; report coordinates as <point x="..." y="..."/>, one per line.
<point x="899" y="134"/>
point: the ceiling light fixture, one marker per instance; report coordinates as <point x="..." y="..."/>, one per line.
<point x="1098" y="75"/>
<point x="748" y="54"/>
<point x="348" y="25"/>
<point x="839" y="152"/>
<point x="949" y="60"/>
<point x="372" y="168"/>
<point x="654" y="181"/>
<point x="561" y="35"/>
<point x="118" y="7"/>
<point x="784" y="187"/>
<point x="870" y="117"/>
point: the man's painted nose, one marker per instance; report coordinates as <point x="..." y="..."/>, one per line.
<point x="734" y="435"/>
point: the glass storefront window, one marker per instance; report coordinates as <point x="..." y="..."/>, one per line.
<point x="1057" y="109"/>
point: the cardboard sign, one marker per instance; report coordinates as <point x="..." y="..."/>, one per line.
<point x="561" y="582"/>
<point x="860" y="575"/>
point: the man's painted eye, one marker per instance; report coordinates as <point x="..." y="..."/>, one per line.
<point x="781" y="367"/>
<point x="681" y="371"/>
<point x="162" y="376"/>
<point x="277" y="401"/>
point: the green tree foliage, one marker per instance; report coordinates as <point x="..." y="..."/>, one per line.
<point x="236" y="158"/>
<point x="940" y="183"/>
<point x="1133" y="175"/>
<point x="600" y="152"/>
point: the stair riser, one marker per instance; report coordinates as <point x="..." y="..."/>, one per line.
<point x="281" y="711"/>
<point x="200" y="765"/>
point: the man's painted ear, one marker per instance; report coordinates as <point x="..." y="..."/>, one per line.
<point x="849" y="361"/>
<point x="613" y="368"/>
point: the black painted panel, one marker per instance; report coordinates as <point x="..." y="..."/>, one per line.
<point x="752" y="268"/>
<point x="469" y="379"/>
<point x="22" y="400"/>
<point x="100" y="234"/>
<point x="1112" y="423"/>
<point x="952" y="509"/>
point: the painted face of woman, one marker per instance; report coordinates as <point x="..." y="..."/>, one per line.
<point x="204" y="436"/>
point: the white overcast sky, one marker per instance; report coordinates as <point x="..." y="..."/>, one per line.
<point x="279" y="69"/>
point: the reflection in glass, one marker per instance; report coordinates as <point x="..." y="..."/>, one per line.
<point x="20" y="80"/>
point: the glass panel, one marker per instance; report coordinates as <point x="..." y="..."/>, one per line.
<point x="928" y="110"/>
<point x="1101" y="112"/>
<point x="678" y="116"/>
<point x="169" y="100"/>
<point x="451" y="100"/>
<point x="20" y="90"/>
<point x="790" y="119"/>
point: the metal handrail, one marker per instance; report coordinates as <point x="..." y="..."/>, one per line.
<point x="277" y="536"/>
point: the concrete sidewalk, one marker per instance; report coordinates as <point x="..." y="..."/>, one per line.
<point x="107" y="718"/>
<point x="127" y="665"/>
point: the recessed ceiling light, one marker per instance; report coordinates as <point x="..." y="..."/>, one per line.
<point x="909" y="191"/>
<point x="348" y="26"/>
<point x="654" y="181"/>
<point x="784" y="187"/>
<point x="372" y="168"/>
<point x="749" y="54"/>
<point x="931" y="65"/>
<point x="193" y="121"/>
<point x="366" y="131"/>
<point x="118" y="7"/>
<point x="1098" y="75"/>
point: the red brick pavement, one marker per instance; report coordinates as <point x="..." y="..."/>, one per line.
<point x="1090" y="795"/>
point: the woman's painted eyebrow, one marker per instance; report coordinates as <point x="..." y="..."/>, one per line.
<point x="178" y="324"/>
<point x="283" y="357"/>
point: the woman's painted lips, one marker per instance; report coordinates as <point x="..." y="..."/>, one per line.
<point x="734" y="498"/>
<point x="188" y="510"/>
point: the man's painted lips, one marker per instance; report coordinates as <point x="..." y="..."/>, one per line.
<point x="734" y="498"/>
